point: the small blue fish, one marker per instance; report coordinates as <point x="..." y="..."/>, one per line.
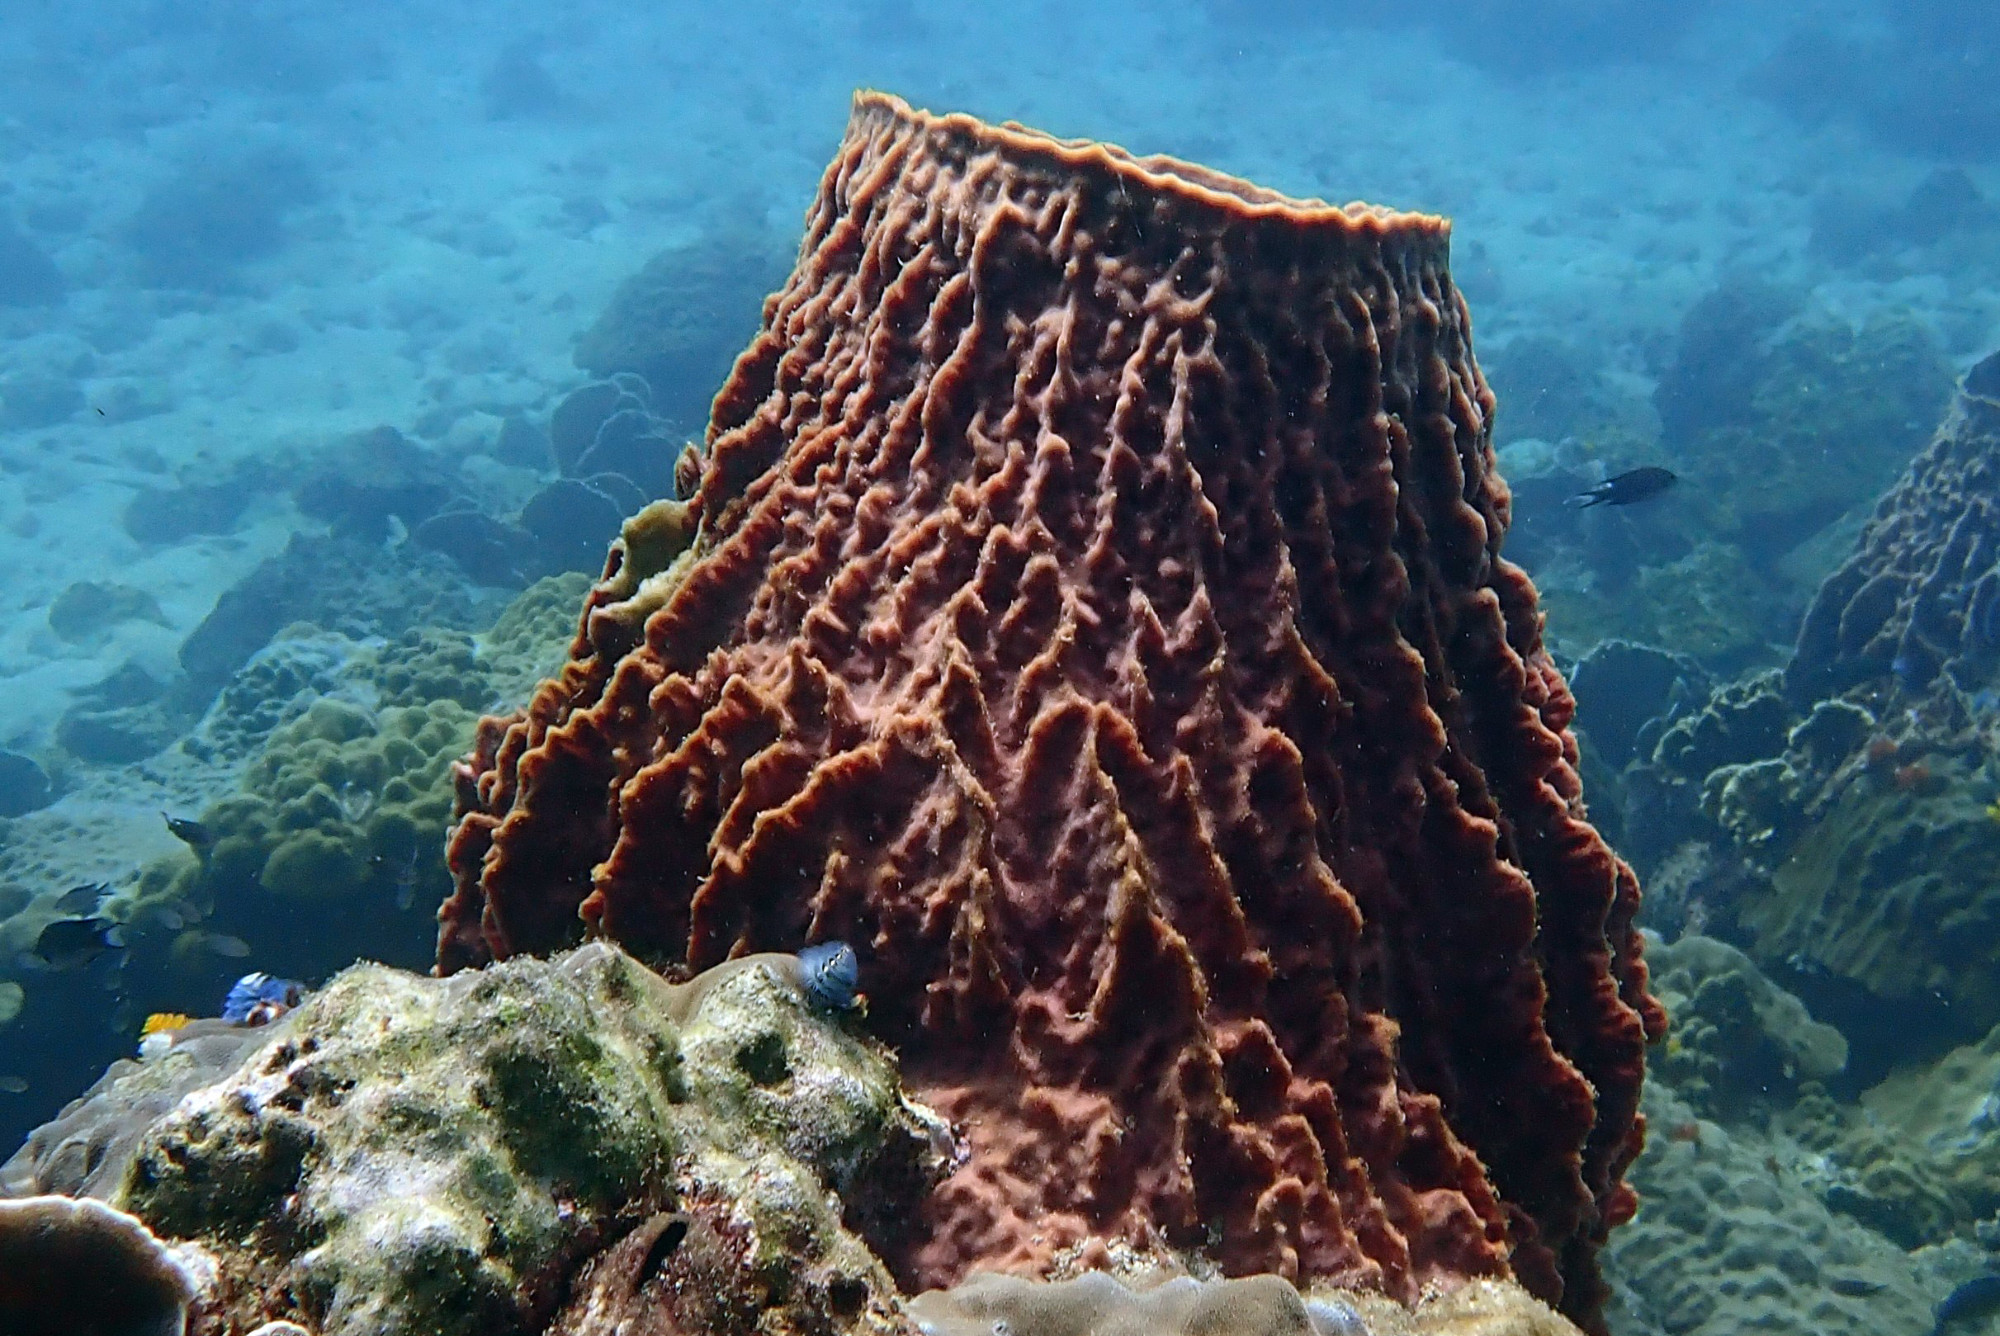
<point x="76" y="943"/>
<point x="830" y="975"/>
<point x="259" y="998"/>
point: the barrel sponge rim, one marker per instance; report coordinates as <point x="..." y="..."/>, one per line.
<point x="1157" y="174"/>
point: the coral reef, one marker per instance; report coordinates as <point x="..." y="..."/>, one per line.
<point x="531" y="1146"/>
<point x="1922" y="587"/>
<point x="333" y="825"/>
<point x="1621" y="687"/>
<point x="1749" y="1217"/>
<point x="1091" y="609"/>
<point x="1738" y="1040"/>
<point x="340" y="583"/>
<point x="1736" y="1235"/>
<point x="1892" y="887"/>
<point x="329" y="849"/>
<point x="1785" y="422"/>
<point x="1919" y="1159"/>
<point x="1856" y="783"/>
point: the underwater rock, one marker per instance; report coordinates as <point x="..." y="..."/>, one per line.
<point x="87" y="608"/>
<point x="1550" y="387"/>
<point x="1718" y="355"/>
<point x="574" y="521"/>
<point x="522" y="444"/>
<point x="126" y="716"/>
<point x="574" y="423"/>
<point x="517" y="86"/>
<point x="636" y="445"/>
<point x="340" y="583"/>
<point x="488" y="551"/>
<point x="1917" y="81"/>
<point x="408" y="1156"/>
<point x="1834" y="413"/>
<point x="30" y="399"/>
<point x="167" y="515"/>
<point x="216" y="211"/>
<point x="81" y="1267"/>
<point x="1122" y="698"/>
<point x="608" y="428"/>
<point x="1944" y="202"/>
<point x="369" y="478"/>
<point x="680" y="320"/>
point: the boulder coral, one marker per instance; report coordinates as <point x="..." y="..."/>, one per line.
<point x="1091" y="607"/>
<point x="322" y="855"/>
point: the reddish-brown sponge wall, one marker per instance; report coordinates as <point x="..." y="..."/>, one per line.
<point x="1092" y="609"/>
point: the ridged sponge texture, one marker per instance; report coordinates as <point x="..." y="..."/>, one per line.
<point x="1092" y="609"/>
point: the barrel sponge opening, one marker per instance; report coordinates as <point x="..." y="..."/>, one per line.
<point x="72" y="1265"/>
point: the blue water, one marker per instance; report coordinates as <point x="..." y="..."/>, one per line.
<point x="277" y="274"/>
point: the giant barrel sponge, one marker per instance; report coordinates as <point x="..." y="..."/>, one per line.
<point x="1091" y="608"/>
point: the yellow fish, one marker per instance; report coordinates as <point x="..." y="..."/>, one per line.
<point x="163" y="1020"/>
<point x="1993" y="810"/>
